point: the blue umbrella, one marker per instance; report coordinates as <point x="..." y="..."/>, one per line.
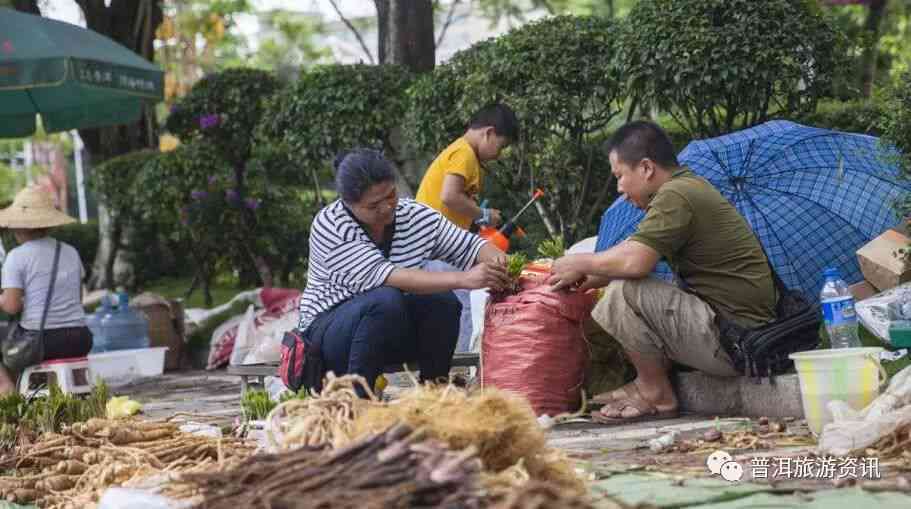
<point x="812" y="196"/>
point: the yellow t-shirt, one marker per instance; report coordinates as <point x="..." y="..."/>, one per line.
<point x="458" y="159"/>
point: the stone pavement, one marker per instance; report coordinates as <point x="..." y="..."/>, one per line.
<point x="617" y="458"/>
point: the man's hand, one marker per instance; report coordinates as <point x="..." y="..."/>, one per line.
<point x="565" y="280"/>
<point x="591" y="282"/>
<point x="486" y="275"/>
<point x="568" y="271"/>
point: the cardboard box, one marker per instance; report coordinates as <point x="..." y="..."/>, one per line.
<point x="862" y="290"/>
<point x="879" y="263"/>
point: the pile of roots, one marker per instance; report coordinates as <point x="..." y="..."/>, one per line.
<point x="499" y="427"/>
<point x="399" y="467"/>
<point x="395" y="468"/>
<point x="323" y="419"/>
<point x="73" y="468"/>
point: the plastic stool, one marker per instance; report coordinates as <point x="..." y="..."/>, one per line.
<point x="73" y="375"/>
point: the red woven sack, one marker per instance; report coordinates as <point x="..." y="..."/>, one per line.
<point x="533" y="345"/>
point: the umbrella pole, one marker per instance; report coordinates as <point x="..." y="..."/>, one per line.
<point x="80" y="176"/>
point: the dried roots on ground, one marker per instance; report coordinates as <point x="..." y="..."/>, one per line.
<point x="398" y="467"/>
<point x="501" y="427"/>
<point x="894" y="447"/>
<point x="321" y="419"/>
<point x="73" y="468"/>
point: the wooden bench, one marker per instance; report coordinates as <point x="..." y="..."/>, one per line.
<point x="259" y="372"/>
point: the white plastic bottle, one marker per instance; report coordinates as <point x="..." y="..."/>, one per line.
<point x="838" y="311"/>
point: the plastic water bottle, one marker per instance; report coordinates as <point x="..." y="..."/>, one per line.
<point x="838" y="311"/>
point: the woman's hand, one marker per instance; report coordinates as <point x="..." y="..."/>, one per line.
<point x="486" y="275"/>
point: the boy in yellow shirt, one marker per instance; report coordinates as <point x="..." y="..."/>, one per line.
<point x="452" y="183"/>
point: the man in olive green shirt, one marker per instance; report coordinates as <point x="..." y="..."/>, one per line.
<point x="713" y="252"/>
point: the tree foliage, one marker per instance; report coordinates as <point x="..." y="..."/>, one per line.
<point x="561" y="77"/>
<point x="330" y="109"/>
<point x="718" y="65"/>
<point x="223" y="109"/>
<point x="898" y="134"/>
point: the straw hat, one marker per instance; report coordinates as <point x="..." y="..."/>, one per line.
<point x="33" y="208"/>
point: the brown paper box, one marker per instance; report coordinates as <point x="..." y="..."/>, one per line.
<point x="862" y="290"/>
<point x="878" y="262"/>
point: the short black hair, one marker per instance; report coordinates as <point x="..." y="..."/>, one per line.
<point x="500" y="117"/>
<point x="640" y="140"/>
<point x="359" y="169"/>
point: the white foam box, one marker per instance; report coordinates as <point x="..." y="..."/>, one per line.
<point x="120" y="367"/>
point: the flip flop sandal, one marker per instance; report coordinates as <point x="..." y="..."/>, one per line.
<point x="610" y="398"/>
<point x="647" y="412"/>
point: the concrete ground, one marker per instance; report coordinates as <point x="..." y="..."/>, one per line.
<point x="618" y="459"/>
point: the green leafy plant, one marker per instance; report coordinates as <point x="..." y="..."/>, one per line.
<point x="719" y="65"/>
<point x="256" y="404"/>
<point x="515" y="263"/>
<point x="48" y="414"/>
<point x="552" y="248"/>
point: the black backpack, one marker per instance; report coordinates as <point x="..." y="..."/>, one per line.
<point x="763" y="351"/>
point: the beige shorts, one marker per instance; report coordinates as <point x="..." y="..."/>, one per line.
<point x="652" y="317"/>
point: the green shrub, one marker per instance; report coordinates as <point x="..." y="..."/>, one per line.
<point x="237" y="213"/>
<point x="719" y="65"/>
<point x="561" y="76"/>
<point x="329" y="109"/>
<point x="120" y="183"/>
<point x="897" y="134"/>
<point x="223" y="109"/>
<point x="858" y="116"/>
<point x="84" y="237"/>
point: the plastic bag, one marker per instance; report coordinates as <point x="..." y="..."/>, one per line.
<point x="267" y="338"/>
<point x="479" y="300"/>
<point x="123" y="498"/>
<point x="852" y="430"/>
<point x="877" y="313"/>
<point x="534" y="345"/>
<point x="246" y="337"/>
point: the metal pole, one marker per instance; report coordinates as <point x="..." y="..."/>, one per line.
<point x="80" y="176"/>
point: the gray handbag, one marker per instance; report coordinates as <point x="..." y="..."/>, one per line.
<point x="22" y="347"/>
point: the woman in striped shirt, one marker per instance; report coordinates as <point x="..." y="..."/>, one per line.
<point x="367" y="302"/>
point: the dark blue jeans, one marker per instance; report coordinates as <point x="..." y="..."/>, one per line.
<point x="387" y="326"/>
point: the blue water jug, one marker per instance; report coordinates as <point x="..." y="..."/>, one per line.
<point x="125" y="328"/>
<point x="94" y="323"/>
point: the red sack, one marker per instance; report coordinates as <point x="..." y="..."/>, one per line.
<point x="534" y="345"/>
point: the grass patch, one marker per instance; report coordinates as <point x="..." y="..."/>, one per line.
<point x="176" y="288"/>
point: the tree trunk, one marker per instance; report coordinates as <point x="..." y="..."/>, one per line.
<point x="132" y="23"/>
<point x="410" y="41"/>
<point x="872" y="26"/>
<point x="382" y="29"/>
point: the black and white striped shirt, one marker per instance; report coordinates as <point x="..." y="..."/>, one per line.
<point x="345" y="262"/>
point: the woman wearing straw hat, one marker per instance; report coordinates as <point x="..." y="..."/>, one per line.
<point x="52" y="325"/>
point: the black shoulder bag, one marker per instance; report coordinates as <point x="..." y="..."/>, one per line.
<point x="22" y="347"/>
<point x="763" y="351"/>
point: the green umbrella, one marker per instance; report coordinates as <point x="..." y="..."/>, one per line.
<point x="73" y="77"/>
